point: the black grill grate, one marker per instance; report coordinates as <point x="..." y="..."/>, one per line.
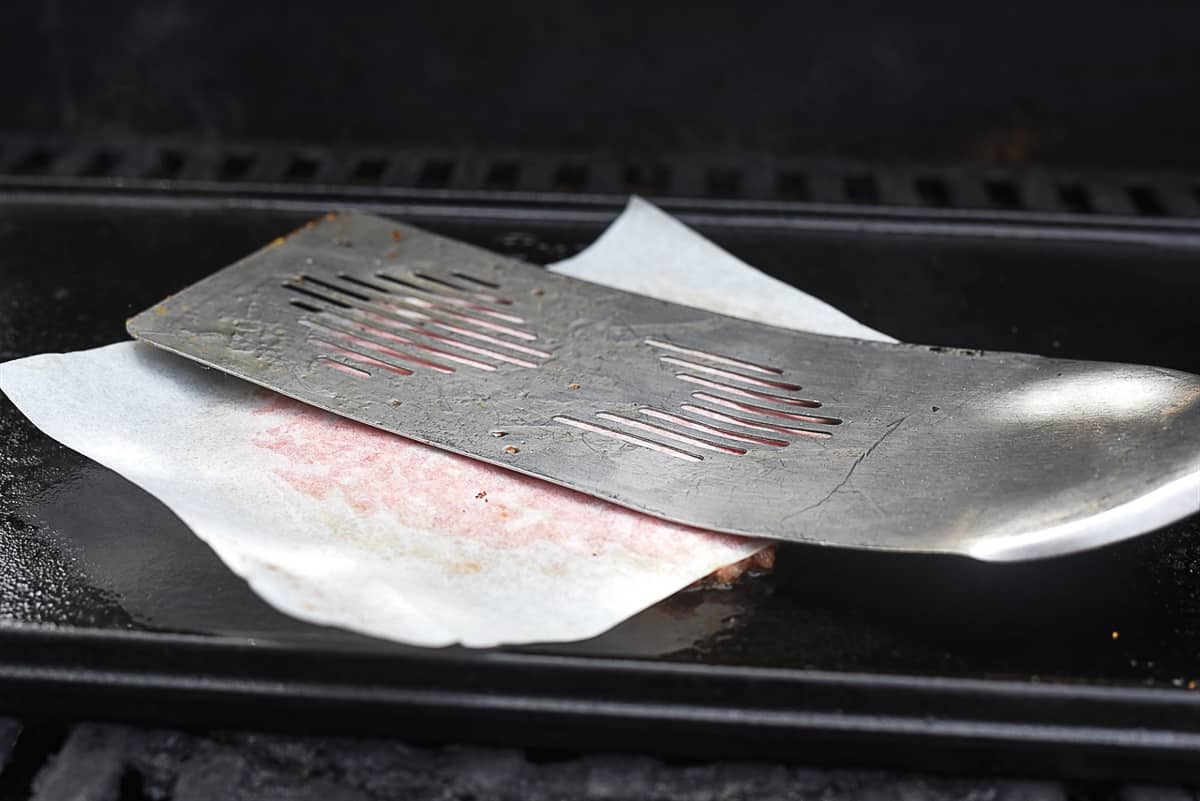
<point x="95" y="761"/>
<point x="753" y="177"/>
<point x="101" y="761"/>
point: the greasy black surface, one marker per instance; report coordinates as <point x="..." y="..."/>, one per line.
<point x="83" y="547"/>
<point x="1094" y="84"/>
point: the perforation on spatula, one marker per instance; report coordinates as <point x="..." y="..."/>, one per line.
<point x="691" y="416"/>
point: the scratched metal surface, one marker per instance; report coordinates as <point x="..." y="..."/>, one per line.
<point x="690" y="416"/>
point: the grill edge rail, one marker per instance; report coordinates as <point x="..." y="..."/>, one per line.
<point x="745" y="176"/>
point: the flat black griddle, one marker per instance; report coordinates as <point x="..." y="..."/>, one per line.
<point x="112" y="608"/>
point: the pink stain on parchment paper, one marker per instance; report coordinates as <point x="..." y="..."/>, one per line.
<point x="373" y="471"/>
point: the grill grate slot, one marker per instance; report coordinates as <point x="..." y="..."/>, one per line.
<point x="435" y="174"/>
<point x="36" y="162"/>
<point x="933" y="191"/>
<point x="502" y="176"/>
<point x="792" y="186"/>
<point x="1146" y="202"/>
<point x="168" y="165"/>
<point x="235" y="166"/>
<point x="680" y="174"/>
<point x="1003" y="194"/>
<point x="642" y="179"/>
<point x="862" y="188"/>
<point x="101" y="164"/>
<point x="722" y="183"/>
<point x="368" y="170"/>
<point x="571" y="178"/>
<point x="302" y="169"/>
<point x="1075" y="198"/>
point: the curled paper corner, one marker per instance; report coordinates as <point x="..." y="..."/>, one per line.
<point x="649" y="252"/>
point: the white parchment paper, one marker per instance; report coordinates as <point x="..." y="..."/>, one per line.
<point x="337" y="523"/>
<point x="649" y="252"/>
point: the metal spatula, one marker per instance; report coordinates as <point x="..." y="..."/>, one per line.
<point x="691" y="416"/>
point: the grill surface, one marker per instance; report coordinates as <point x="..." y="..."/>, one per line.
<point x="84" y="549"/>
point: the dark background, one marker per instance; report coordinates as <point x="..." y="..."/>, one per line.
<point x="1068" y="84"/>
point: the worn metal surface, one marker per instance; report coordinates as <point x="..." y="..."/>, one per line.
<point x="695" y="417"/>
